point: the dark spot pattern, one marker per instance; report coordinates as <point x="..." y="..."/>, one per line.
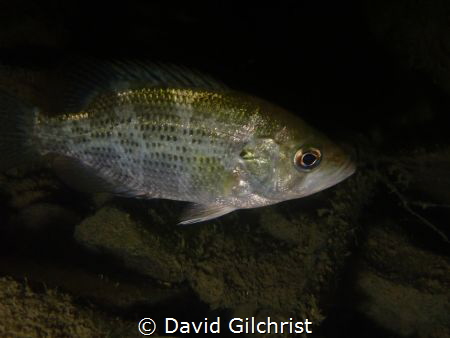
<point x="154" y="145"/>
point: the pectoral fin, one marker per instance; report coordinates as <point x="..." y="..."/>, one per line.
<point x="200" y="213"/>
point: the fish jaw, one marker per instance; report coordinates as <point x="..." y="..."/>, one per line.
<point x="325" y="178"/>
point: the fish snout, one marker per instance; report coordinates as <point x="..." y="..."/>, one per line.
<point x="350" y="155"/>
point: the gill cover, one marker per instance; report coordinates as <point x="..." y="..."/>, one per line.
<point x="260" y="158"/>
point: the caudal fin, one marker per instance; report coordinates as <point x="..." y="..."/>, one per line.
<point x="17" y="120"/>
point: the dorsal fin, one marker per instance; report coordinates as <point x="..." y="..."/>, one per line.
<point x="88" y="78"/>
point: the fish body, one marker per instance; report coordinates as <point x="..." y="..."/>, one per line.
<point x="188" y="141"/>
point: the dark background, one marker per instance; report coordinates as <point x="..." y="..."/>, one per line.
<point x="373" y="74"/>
<point x="340" y="65"/>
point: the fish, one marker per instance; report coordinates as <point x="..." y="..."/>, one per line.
<point x="158" y="131"/>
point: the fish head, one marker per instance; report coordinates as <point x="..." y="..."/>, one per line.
<point x="295" y="162"/>
<point x="312" y="166"/>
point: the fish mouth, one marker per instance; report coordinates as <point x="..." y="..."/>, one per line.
<point x="346" y="170"/>
<point x="341" y="173"/>
<point x="350" y="168"/>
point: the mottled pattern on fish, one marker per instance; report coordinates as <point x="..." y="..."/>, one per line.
<point x="179" y="144"/>
<point x="158" y="131"/>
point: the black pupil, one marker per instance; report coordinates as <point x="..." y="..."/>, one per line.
<point x="309" y="159"/>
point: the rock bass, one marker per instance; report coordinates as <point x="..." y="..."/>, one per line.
<point x="161" y="131"/>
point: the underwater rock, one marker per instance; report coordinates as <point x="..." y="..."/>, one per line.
<point x="114" y="232"/>
<point x="281" y="260"/>
<point x="404" y="289"/>
<point x="50" y="313"/>
<point x="120" y="292"/>
<point x="403" y="309"/>
<point x="25" y="187"/>
<point x="100" y="199"/>
<point x="40" y="215"/>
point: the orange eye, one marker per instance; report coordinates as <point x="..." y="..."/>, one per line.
<point x="308" y="159"/>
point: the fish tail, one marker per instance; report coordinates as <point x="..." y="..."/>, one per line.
<point x="17" y="121"/>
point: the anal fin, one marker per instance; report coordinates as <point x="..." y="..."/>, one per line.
<point x="200" y="213"/>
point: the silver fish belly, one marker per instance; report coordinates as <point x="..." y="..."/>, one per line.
<point x="152" y="132"/>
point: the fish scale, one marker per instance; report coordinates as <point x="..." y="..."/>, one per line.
<point x="163" y="148"/>
<point x="159" y="131"/>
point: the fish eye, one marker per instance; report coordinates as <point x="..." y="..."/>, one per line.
<point x="307" y="159"/>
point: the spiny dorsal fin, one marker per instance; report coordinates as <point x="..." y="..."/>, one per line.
<point x="88" y="78"/>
